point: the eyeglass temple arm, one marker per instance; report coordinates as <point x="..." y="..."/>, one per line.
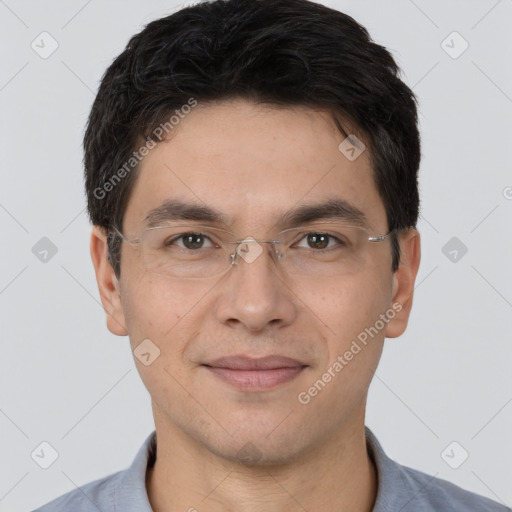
<point x="383" y="237"/>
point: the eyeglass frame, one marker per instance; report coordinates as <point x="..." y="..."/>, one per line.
<point x="233" y="256"/>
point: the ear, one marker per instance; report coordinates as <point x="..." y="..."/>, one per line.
<point x="403" y="281"/>
<point x="108" y="283"/>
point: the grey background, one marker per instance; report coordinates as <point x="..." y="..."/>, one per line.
<point x="66" y="380"/>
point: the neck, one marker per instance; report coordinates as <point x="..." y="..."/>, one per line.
<point x="338" y="475"/>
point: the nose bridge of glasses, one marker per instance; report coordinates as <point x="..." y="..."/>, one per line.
<point x="250" y="248"/>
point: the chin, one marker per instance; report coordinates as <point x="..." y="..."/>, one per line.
<point x="257" y="448"/>
<point x="257" y="455"/>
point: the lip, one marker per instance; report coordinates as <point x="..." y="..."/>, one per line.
<point x="240" y="362"/>
<point x="250" y="374"/>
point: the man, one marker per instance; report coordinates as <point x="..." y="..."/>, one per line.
<point x="251" y="173"/>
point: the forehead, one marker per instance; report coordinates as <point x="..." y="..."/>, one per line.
<point x="253" y="163"/>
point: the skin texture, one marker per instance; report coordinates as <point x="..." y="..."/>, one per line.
<point x="252" y="162"/>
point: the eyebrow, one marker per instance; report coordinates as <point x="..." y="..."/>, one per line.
<point x="332" y="209"/>
<point x="179" y="210"/>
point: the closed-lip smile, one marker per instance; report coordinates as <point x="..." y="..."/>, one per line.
<point x="255" y="374"/>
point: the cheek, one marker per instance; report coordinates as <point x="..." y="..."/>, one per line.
<point x="354" y="332"/>
<point x="357" y="336"/>
<point x="349" y="305"/>
<point x="161" y="310"/>
<point x="162" y="320"/>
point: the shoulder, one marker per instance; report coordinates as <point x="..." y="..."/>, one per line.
<point x="123" y="491"/>
<point x="428" y="493"/>
<point x="410" y="490"/>
<point x="99" y="494"/>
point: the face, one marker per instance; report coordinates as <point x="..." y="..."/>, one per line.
<point x="252" y="164"/>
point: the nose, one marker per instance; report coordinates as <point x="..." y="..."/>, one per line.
<point x="254" y="294"/>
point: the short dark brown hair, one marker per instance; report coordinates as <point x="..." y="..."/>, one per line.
<point x="280" y="52"/>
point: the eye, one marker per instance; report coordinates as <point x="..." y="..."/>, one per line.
<point x="192" y="241"/>
<point x="319" y="241"/>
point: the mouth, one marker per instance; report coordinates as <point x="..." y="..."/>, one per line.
<point x="248" y="374"/>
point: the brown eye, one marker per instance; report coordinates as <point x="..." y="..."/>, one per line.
<point x="319" y="241"/>
<point x="192" y="241"/>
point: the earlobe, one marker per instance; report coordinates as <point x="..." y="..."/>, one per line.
<point x="108" y="284"/>
<point x="403" y="282"/>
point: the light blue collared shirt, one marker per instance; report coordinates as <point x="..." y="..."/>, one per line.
<point x="400" y="488"/>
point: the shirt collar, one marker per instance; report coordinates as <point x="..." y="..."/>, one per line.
<point x="392" y="493"/>
<point x="131" y="493"/>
